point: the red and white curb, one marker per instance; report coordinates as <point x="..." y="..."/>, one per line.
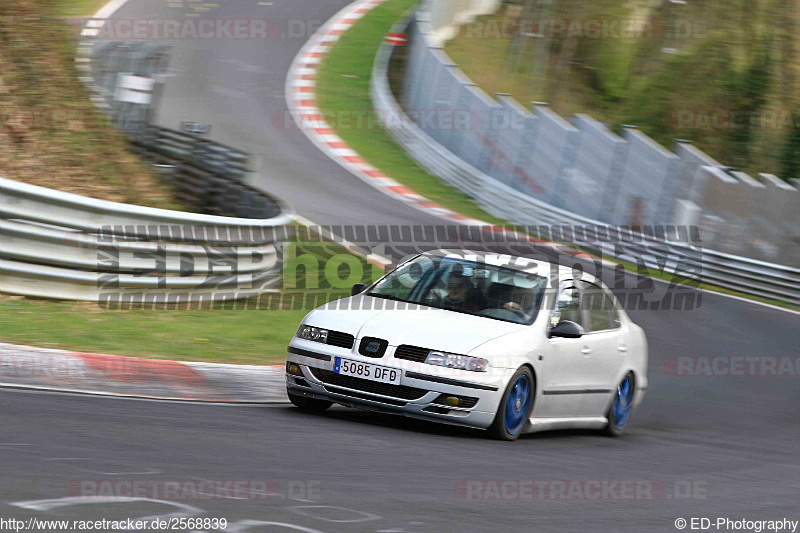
<point x="302" y="103"/>
<point x="30" y="367"/>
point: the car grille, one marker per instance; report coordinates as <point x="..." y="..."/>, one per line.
<point x="411" y="353"/>
<point x="385" y="389"/>
<point x="467" y="402"/>
<point x="373" y="347"/>
<point x="342" y="340"/>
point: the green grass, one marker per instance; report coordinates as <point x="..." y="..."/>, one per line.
<point x="220" y="335"/>
<point x="235" y="336"/>
<point x="77" y="8"/>
<point x="343" y="96"/>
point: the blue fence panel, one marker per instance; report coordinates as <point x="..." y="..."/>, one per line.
<point x="488" y="112"/>
<point x="648" y="181"/>
<point x="523" y="178"/>
<point x="472" y="147"/>
<point x="690" y="183"/>
<point x="459" y="109"/>
<point x="446" y="117"/>
<point x="510" y="122"/>
<point x="421" y="85"/>
<point x="553" y="153"/>
<point x="595" y="177"/>
<point x="414" y="59"/>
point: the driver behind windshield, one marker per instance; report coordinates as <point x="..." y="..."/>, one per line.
<point x="461" y="294"/>
<point x="521" y="302"/>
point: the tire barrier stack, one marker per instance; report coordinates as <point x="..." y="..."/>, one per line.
<point x="206" y="176"/>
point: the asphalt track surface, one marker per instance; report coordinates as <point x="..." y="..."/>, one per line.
<point x="237" y="86"/>
<point x="710" y="446"/>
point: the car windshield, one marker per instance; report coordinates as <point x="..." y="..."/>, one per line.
<point x="465" y="286"/>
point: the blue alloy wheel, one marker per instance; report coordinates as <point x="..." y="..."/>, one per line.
<point x="623" y="403"/>
<point x="518" y="404"/>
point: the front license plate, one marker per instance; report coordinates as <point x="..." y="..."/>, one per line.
<point x="357" y="369"/>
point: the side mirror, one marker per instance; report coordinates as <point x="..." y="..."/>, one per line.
<point x="567" y="329"/>
<point x="358" y="288"/>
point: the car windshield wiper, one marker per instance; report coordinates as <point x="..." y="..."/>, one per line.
<point x="388" y="297"/>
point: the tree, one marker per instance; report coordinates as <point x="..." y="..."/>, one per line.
<point x="790" y="160"/>
<point x="751" y="94"/>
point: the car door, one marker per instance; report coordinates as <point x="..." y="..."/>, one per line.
<point x="603" y="347"/>
<point x="564" y="378"/>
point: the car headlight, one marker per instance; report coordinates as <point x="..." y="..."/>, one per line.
<point x="462" y="362"/>
<point x="310" y="333"/>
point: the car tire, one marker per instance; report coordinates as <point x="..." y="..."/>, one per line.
<point x="515" y="407"/>
<point x="619" y="414"/>
<point x="308" y="404"/>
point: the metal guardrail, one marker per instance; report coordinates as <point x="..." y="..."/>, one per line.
<point x="741" y="274"/>
<point x="62" y="245"/>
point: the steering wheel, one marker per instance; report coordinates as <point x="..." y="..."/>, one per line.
<point x="503" y="314"/>
<point x="433" y="298"/>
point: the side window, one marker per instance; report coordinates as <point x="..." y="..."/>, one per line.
<point x="600" y="307"/>
<point x="568" y="306"/>
<point x="615" y="321"/>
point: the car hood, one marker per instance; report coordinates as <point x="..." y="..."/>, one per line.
<point x="423" y="326"/>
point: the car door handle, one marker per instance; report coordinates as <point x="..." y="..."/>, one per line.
<point x="586" y="350"/>
<point x="623" y="348"/>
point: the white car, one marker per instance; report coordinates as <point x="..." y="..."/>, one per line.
<point x="477" y="339"/>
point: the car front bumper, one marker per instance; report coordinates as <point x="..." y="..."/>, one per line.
<point x="422" y="391"/>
